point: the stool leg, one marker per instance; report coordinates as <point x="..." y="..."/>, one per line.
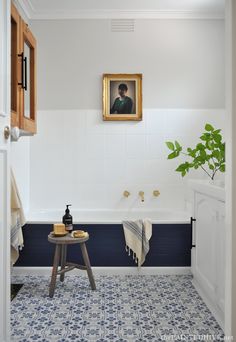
<point x="87" y="264"/>
<point x="54" y="271"/>
<point x="63" y="261"/>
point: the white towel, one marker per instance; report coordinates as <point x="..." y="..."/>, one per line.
<point x="137" y="236"/>
<point x="17" y="221"/>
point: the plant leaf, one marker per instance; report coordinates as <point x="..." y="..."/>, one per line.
<point x="217" y="137"/>
<point x="222" y="168"/>
<point x="200" y="146"/>
<point x="209" y="145"/>
<point x="170" y="145"/>
<point x="181" y="168"/>
<point x="203" y="154"/>
<point x="209" y="127"/>
<point x="216" y="154"/>
<point x="177" y="145"/>
<point x="205" y="136"/>
<point x="172" y="155"/>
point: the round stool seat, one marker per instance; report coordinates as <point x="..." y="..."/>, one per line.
<point x="65" y="240"/>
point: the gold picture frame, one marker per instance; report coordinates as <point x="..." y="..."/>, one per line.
<point x="122" y="97"/>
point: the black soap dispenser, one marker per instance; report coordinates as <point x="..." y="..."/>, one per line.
<point x="67" y="219"/>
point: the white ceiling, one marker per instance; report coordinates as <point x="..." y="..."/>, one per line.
<point x="66" y="9"/>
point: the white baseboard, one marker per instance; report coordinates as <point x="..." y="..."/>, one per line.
<point x="46" y="271"/>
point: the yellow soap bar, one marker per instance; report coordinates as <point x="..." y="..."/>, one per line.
<point x="79" y="234"/>
<point x="59" y="228"/>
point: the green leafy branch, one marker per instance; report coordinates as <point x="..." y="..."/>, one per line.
<point x="209" y="154"/>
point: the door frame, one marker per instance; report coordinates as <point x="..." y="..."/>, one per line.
<point x="5" y="40"/>
<point x="230" y="98"/>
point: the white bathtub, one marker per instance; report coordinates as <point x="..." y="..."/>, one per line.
<point x="160" y="216"/>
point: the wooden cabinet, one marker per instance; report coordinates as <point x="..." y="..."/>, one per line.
<point x="23" y="74"/>
<point x="208" y="255"/>
<point x="15" y="67"/>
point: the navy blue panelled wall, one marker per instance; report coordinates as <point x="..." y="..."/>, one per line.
<point x="170" y="245"/>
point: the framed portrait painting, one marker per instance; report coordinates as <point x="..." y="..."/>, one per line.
<point x="122" y="97"/>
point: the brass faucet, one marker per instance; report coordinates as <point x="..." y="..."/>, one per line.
<point x="141" y="194"/>
<point x="126" y="193"/>
<point x="156" y="193"/>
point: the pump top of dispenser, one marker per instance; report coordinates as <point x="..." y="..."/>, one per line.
<point x="67" y="208"/>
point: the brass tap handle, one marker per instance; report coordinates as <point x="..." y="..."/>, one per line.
<point x="156" y="193"/>
<point x="126" y="193"/>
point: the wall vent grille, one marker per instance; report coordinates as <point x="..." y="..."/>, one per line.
<point x="122" y="25"/>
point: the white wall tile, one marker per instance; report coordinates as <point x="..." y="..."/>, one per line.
<point x="20" y="163"/>
<point x="156" y="147"/>
<point x="77" y="157"/>
<point x="136" y="146"/>
<point x="137" y="127"/>
<point x="90" y="171"/>
<point x="95" y="146"/>
<point x="91" y="196"/>
<point x="114" y="127"/>
<point x="115" y="146"/>
<point x="94" y="122"/>
<point x="136" y="171"/>
<point x="115" y="171"/>
<point x="156" y="122"/>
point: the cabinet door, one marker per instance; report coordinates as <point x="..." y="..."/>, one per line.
<point x="220" y="257"/>
<point x="15" y="67"/>
<point x="28" y="90"/>
<point x="205" y="263"/>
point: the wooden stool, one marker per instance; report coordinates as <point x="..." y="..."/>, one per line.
<point x="60" y="254"/>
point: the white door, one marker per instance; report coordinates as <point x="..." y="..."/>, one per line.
<point x="4" y="171"/>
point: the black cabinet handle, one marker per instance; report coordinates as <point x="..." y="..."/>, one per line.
<point x="192" y="220"/>
<point x="22" y="70"/>
<point x="25" y="65"/>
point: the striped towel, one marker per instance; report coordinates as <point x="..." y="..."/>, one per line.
<point x="137" y="236"/>
<point x="17" y="221"/>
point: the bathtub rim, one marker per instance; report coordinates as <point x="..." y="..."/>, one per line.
<point x="43" y="216"/>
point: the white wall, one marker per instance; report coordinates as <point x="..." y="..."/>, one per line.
<point x="79" y="159"/>
<point x="182" y="62"/>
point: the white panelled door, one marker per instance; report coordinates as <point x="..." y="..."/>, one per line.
<point x="4" y="171"/>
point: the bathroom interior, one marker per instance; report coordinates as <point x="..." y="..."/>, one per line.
<point x="118" y="173"/>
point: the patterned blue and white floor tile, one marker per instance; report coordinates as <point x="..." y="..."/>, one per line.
<point x="122" y="309"/>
